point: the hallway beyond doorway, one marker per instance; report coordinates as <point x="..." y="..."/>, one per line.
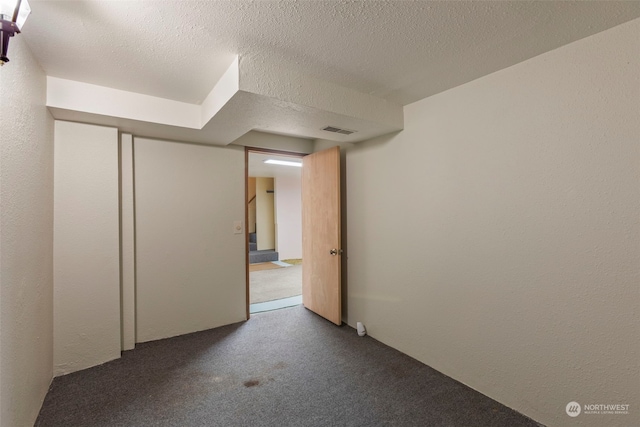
<point x="275" y="285"/>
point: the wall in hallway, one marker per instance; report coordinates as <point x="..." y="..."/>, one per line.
<point x="288" y="216"/>
<point x="251" y="194"/>
<point x="265" y="218"/>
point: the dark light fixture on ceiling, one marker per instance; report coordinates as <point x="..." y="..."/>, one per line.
<point x="13" y="13"/>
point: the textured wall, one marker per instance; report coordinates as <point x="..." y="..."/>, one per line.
<point x="190" y="264"/>
<point x="496" y="237"/>
<point x="26" y="239"/>
<point x="86" y="298"/>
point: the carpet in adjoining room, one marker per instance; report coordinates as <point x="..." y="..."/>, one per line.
<point x="273" y="284"/>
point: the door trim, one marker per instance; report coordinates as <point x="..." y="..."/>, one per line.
<point x="247" y="151"/>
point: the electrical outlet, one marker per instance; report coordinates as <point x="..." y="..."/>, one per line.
<point x="237" y="227"/>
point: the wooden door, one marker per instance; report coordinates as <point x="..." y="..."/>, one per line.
<point x="321" y="253"/>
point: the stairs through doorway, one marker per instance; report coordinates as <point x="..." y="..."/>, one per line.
<point x="256" y="256"/>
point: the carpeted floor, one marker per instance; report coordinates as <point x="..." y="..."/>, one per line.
<point x="263" y="266"/>
<point x="282" y="368"/>
<point x="269" y="285"/>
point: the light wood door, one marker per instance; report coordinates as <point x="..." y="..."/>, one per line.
<point x="321" y="253"/>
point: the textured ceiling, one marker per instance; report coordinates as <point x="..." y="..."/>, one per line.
<point x="400" y="51"/>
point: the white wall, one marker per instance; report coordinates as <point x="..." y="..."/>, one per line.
<point x="190" y="264"/>
<point x="26" y="239"/>
<point x="288" y="208"/>
<point x="496" y="238"/>
<point x="86" y="303"/>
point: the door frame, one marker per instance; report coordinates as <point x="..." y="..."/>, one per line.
<point x="247" y="151"/>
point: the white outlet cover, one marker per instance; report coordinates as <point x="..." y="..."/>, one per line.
<point x="237" y="227"/>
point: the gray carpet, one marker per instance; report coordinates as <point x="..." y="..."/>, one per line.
<point x="269" y="285"/>
<point x="282" y="368"/>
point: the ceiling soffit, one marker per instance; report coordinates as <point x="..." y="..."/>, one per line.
<point x="251" y="95"/>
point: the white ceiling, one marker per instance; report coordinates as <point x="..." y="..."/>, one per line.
<point x="401" y="51"/>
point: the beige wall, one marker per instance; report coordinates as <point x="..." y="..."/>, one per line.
<point x="496" y="238"/>
<point x="26" y="239"/>
<point x="190" y="264"/>
<point x="265" y="218"/>
<point x="86" y="298"/>
<point x="251" y="193"/>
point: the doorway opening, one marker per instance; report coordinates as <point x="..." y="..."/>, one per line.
<point x="274" y="229"/>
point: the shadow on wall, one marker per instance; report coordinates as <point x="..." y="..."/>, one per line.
<point x="345" y="148"/>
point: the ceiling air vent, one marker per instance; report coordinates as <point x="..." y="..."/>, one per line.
<point x="338" y="130"/>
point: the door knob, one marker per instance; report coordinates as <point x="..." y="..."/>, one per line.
<point x="335" y="252"/>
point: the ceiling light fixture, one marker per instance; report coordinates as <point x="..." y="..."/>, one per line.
<point x="13" y="13"/>
<point x="283" y="163"/>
